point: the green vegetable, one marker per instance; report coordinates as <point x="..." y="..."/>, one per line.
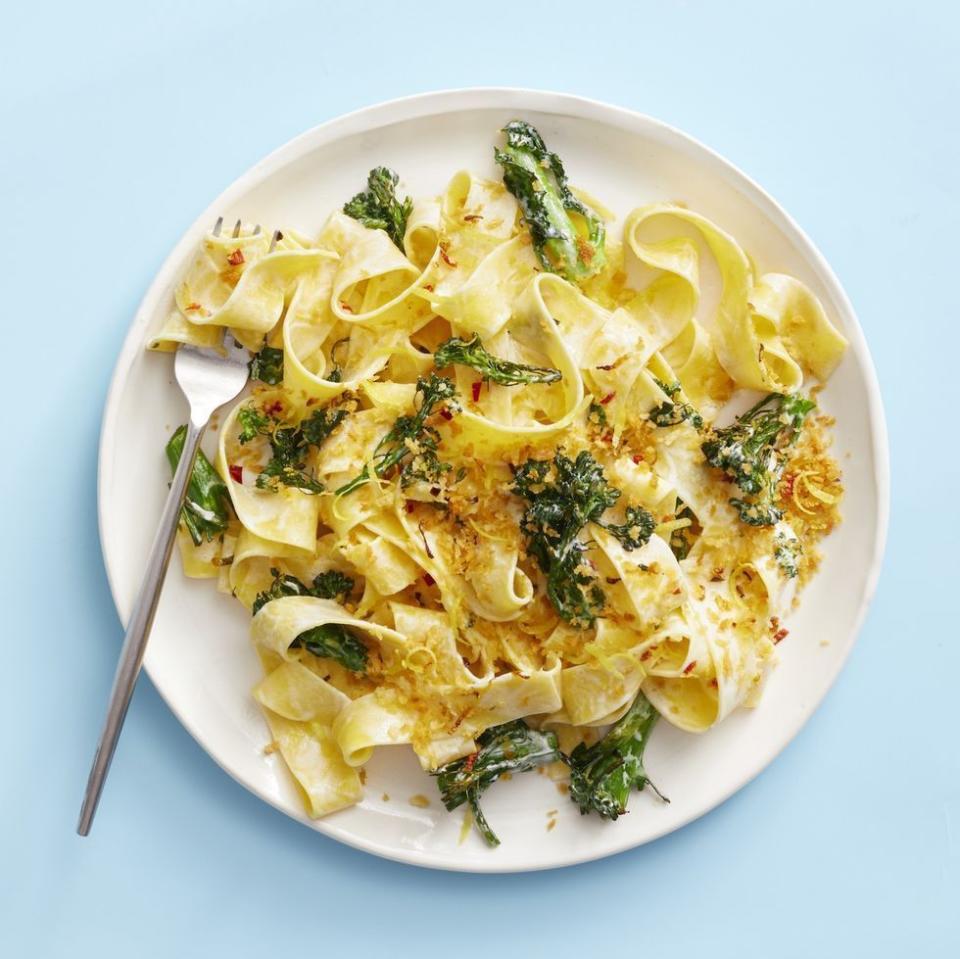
<point x="289" y="445"/>
<point x="511" y="748"/>
<point x="682" y="540"/>
<point x="337" y="642"/>
<point x="336" y="374"/>
<point x="253" y="423"/>
<point x="331" y="640"/>
<point x="752" y="452"/>
<point x="563" y="495"/>
<point x="603" y="775"/>
<point x="329" y="585"/>
<point x="635" y="530"/>
<point x="378" y="208"/>
<point x="568" y="237"/>
<point x="672" y="413"/>
<point x="277" y="474"/>
<point x="267" y="366"/>
<point x="318" y="426"/>
<point x="787" y="552"/>
<point x="472" y="353"/>
<point x="204" y="511"/>
<point x="597" y="415"/>
<point x="394" y="449"/>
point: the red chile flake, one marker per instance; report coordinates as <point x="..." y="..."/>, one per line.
<point x="273" y="409"/>
<point x="475" y="389"/>
<point x="780" y="634"/>
<point x="788" y="482"/>
<point x="409" y="506"/>
<point x="637" y="458"/>
<point x="469" y="764"/>
<point x="236" y="473"/>
<point x="446" y="414"/>
<point x="346" y="307"/>
<point x="607" y="399"/>
<point x="235" y="258"/>
<point x="428" y="287"/>
<point x="446" y="256"/>
<point x="434" y="490"/>
<point x="428" y="579"/>
<point x="689" y="668"/>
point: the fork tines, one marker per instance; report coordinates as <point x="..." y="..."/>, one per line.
<point x="237" y="227"/>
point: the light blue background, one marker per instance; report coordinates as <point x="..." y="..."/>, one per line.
<point x="118" y="123"/>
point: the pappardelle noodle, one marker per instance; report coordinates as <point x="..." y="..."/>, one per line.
<point x="488" y="495"/>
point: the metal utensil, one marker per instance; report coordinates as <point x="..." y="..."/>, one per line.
<point x="208" y="379"/>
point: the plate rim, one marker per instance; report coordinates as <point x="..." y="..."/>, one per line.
<point x="436" y="103"/>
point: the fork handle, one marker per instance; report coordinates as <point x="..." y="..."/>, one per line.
<point x="138" y="629"/>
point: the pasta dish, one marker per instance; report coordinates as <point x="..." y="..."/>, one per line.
<point x="514" y="478"/>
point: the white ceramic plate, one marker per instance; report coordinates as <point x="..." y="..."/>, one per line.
<point x="200" y="657"/>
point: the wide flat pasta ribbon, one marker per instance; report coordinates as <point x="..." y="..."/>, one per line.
<point x="374" y="282"/>
<point x="750" y="344"/>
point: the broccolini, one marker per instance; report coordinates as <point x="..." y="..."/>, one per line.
<point x="337" y="642"/>
<point x="267" y="366"/>
<point x="331" y="584"/>
<point x="787" y="552"/>
<point x="289" y="445"/>
<point x="411" y="444"/>
<point x="603" y="775"/>
<point x="510" y="748"/>
<point x="673" y="413"/>
<point x="472" y="353"/>
<point x="752" y="453"/>
<point x="330" y="640"/>
<point x="568" y="236"/>
<point x="378" y="208"/>
<point x="204" y="511"/>
<point x="682" y="539"/>
<point x="563" y="495"/>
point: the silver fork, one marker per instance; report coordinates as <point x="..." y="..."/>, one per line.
<point x="208" y="379"/>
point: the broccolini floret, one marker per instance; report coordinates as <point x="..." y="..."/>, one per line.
<point x="253" y="423"/>
<point x="331" y="584"/>
<point x="378" y="208"/>
<point x="511" y="748"/>
<point x="683" y="538"/>
<point x="204" y="512"/>
<point x="329" y="640"/>
<point x="603" y="775"/>
<point x="289" y="445"/>
<point x="337" y="642"/>
<point x="752" y="452"/>
<point x="472" y="353"/>
<point x="411" y="444"/>
<point x="267" y="366"/>
<point x="787" y="551"/>
<point x="563" y="495"/>
<point x="635" y="530"/>
<point x="568" y="236"/>
<point x="674" y="411"/>
<point x="597" y="415"/>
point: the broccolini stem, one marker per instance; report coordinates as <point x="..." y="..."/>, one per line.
<point x="472" y="353"/>
<point x="568" y="237"/>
